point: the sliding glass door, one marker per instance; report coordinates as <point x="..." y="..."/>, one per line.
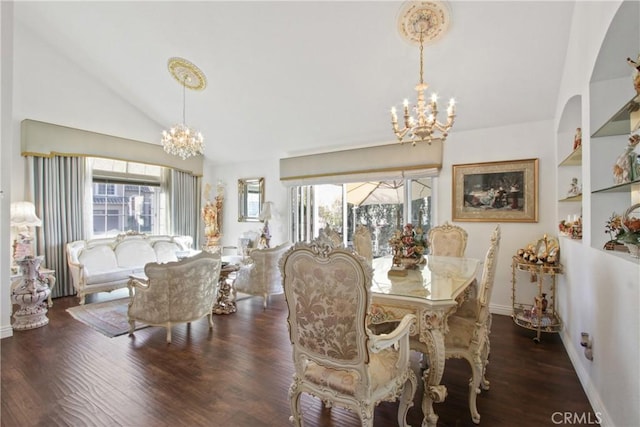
<point x="382" y="206"/>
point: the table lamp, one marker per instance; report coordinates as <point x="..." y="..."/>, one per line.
<point x="265" y="215"/>
<point x="23" y="217"/>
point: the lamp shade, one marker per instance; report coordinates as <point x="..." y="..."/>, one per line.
<point x="23" y="214"/>
<point x="265" y="212"/>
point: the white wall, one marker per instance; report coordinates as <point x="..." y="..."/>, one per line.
<point x="6" y="148"/>
<point x="274" y="192"/>
<point x="524" y="141"/>
<point x="599" y="291"/>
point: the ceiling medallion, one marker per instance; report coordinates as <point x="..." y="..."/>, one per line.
<point x="429" y="19"/>
<point x="187" y="73"/>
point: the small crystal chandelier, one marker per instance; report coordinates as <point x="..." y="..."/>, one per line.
<point x="181" y="140"/>
<point x="421" y="22"/>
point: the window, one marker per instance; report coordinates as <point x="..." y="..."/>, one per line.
<point x="105" y="189"/>
<point x="379" y="205"/>
<point x="126" y="197"/>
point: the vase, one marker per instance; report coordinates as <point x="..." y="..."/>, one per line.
<point x="634" y="250"/>
<point x="411" y="262"/>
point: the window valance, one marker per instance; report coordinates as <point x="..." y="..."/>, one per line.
<point x="391" y="161"/>
<point x="47" y="139"/>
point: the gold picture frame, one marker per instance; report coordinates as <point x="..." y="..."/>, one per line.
<point x="504" y="191"/>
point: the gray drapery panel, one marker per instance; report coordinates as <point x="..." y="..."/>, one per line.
<point x="185" y="205"/>
<point x="59" y="197"/>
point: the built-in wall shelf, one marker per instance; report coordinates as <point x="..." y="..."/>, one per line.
<point x="577" y="198"/>
<point x="573" y="159"/>
<point x="620" y="122"/>
<point x="627" y="187"/>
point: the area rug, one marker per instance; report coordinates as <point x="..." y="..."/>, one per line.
<point x="109" y="317"/>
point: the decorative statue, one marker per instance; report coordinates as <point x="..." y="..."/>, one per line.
<point x="623" y="169"/>
<point x="635" y="75"/>
<point x="577" y="139"/>
<point x="212" y="216"/>
<point x="574" y="188"/>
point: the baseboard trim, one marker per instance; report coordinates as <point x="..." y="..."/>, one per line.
<point x="504" y="310"/>
<point x="6" y="331"/>
<point x="584" y="378"/>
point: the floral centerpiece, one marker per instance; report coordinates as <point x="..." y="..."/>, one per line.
<point x="409" y="246"/>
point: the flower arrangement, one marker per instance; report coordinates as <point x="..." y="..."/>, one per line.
<point x="630" y="232"/>
<point x="572" y="229"/>
<point x="613" y="227"/>
<point x="409" y="243"/>
<point x="623" y="228"/>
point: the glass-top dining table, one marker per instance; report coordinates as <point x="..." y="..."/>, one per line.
<point x="431" y="292"/>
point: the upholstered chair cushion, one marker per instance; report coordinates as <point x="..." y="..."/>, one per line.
<point x="383" y="367"/>
<point x="447" y="240"/>
<point x="362" y="243"/>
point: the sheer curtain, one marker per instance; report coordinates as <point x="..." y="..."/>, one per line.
<point x="184" y="204"/>
<point x="59" y="188"/>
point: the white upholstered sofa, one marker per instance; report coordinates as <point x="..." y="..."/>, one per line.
<point x="105" y="264"/>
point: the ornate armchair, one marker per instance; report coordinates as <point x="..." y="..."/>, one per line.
<point x="470" y="326"/>
<point x="261" y="275"/>
<point x="362" y="242"/>
<point x="175" y="292"/>
<point x="336" y="357"/>
<point x="447" y="240"/>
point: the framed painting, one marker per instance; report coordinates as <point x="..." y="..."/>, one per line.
<point x="505" y="191"/>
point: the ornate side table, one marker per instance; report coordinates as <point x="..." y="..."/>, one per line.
<point x="226" y="300"/>
<point x="30" y="290"/>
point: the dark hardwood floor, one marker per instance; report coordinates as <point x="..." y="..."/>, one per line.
<point x="238" y="374"/>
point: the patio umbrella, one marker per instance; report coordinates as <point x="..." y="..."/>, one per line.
<point x="384" y="192"/>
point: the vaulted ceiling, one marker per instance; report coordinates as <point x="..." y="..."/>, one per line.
<point x="293" y="77"/>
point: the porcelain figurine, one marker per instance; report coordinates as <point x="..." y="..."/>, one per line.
<point x="577" y="139"/>
<point x="574" y="188"/>
<point x="622" y="170"/>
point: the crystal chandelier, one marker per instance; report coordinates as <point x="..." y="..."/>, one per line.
<point x="422" y="22"/>
<point x="181" y="140"/>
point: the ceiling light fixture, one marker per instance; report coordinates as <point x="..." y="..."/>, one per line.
<point x="181" y="140"/>
<point x="423" y="22"/>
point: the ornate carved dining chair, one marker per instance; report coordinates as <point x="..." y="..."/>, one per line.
<point x="336" y="357"/>
<point x="362" y="242"/>
<point x="470" y="326"/>
<point x="174" y="292"/>
<point x="260" y="274"/>
<point x="447" y="240"/>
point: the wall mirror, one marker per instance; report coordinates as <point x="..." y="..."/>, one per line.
<point x="250" y="199"/>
